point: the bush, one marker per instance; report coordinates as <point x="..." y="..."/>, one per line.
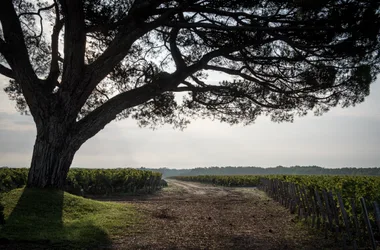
<point x="163" y="183"/>
<point x="91" y="181"/>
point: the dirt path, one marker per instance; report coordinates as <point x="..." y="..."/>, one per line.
<point x="196" y="216"/>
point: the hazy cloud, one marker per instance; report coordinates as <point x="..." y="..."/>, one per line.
<point x="341" y="138"/>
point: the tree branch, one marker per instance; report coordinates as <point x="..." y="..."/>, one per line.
<point x="235" y="14"/>
<point x="97" y="119"/>
<point x="38" y="13"/>
<point x="242" y="75"/>
<point x="102" y="93"/>
<point x="234" y="94"/>
<point x="202" y="63"/>
<point x="3" y="47"/>
<point x="101" y="116"/>
<point x="14" y="50"/>
<point x="176" y="53"/>
<point x="75" y="44"/>
<point x="261" y="82"/>
<point x="116" y="52"/>
<point x="6" y="72"/>
<point x="54" y="67"/>
<point x="245" y="27"/>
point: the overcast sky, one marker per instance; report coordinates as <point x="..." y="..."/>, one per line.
<point x="341" y="138"/>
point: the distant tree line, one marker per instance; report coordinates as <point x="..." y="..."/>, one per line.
<point x="294" y="170"/>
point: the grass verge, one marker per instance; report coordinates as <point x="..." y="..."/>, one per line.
<point x="53" y="217"/>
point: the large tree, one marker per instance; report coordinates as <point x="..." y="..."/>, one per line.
<point x="76" y="65"/>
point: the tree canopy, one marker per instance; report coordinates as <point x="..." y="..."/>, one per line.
<point x="284" y="57"/>
<point x="84" y="63"/>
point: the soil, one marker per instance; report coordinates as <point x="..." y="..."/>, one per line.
<point x="189" y="215"/>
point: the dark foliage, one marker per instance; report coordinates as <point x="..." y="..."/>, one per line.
<point x="287" y="57"/>
<point x="295" y="170"/>
<point x="92" y="181"/>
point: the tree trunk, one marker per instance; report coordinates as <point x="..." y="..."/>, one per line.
<point x="53" y="154"/>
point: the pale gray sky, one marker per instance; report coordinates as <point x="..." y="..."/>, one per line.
<point x="341" y="138"/>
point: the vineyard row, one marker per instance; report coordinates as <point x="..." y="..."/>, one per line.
<point x="91" y="181"/>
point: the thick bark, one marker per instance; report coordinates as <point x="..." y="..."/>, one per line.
<point x="53" y="154"/>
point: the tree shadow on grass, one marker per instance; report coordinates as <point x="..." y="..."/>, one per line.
<point x="44" y="219"/>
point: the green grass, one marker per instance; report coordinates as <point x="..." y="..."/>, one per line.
<point x="59" y="218"/>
